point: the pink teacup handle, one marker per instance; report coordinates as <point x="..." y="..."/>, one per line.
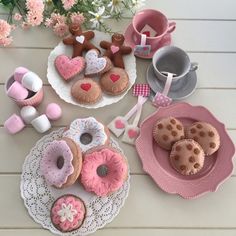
<point x="171" y="27"/>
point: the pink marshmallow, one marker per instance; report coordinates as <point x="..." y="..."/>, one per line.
<point x="17" y="91"/>
<point x="14" y="124"/>
<point x="19" y="73"/>
<point x="53" y="111"/>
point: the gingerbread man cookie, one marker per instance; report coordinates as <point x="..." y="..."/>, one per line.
<point x="79" y="40"/>
<point x="115" y="49"/>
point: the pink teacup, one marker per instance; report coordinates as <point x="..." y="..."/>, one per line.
<point x="157" y="21"/>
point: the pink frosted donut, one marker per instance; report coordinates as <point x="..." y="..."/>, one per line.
<point x="104" y="171"/>
<point x="68" y="213"/>
<point x="61" y="163"/>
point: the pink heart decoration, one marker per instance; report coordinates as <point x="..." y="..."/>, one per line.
<point x="114" y="49"/>
<point x="114" y="77"/>
<point x="119" y="124"/>
<point x="161" y="100"/>
<point x="69" y="67"/>
<point x="86" y="86"/>
<point x="132" y="133"/>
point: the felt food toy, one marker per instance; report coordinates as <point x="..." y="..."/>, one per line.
<point x="96" y="65"/>
<point x="187" y="157"/>
<point x="167" y="131"/>
<point x="67" y="67"/>
<point x="206" y="135"/>
<point x="115" y="49"/>
<point x="79" y="40"/>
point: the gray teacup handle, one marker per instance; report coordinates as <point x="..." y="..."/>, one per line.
<point x="194" y="66"/>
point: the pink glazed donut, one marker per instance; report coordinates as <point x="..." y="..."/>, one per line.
<point x="104" y="171"/>
<point x="61" y="163"/>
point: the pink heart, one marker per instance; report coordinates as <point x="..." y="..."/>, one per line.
<point x="69" y="67"/>
<point x="114" y="49"/>
<point x="114" y="77"/>
<point x="119" y="124"/>
<point x="132" y="133"/>
<point x="86" y="86"/>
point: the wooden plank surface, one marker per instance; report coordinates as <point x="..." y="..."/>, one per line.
<point x="210" y="73"/>
<point x="214" y="210"/>
<point x="206" y="29"/>
<point x="206" y="36"/>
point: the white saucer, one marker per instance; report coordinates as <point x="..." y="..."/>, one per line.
<point x="188" y="87"/>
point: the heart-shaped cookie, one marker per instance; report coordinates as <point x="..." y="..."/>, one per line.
<point x="69" y="67"/>
<point x="114" y="77"/>
<point x="96" y="65"/>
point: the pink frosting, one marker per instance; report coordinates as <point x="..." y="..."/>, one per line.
<point x="48" y="166"/>
<point x="117" y="171"/>
<point x="60" y="217"/>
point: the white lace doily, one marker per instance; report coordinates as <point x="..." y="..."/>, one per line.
<point x="63" y="88"/>
<point x="38" y="196"/>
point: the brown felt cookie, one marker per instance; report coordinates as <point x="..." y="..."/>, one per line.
<point x="187" y="157"/>
<point x="167" y="131"/>
<point x="115" y="81"/>
<point x="86" y="91"/>
<point x="206" y="135"/>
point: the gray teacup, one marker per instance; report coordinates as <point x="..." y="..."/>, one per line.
<point x="173" y="60"/>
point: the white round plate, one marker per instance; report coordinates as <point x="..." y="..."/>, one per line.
<point x="63" y="88"/>
<point x="38" y="196"/>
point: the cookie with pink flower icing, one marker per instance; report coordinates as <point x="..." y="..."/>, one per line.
<point x="114" y="81"/>
<point x="104" y="171"/>
<point x="67" y="67"/>
<point x="86" y="91"/>
<point x="61" y="163"/>
<point x="68" y="213"/>
<point x="96" y="65"/>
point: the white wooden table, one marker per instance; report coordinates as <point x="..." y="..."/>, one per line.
<point x="207" y="30"/>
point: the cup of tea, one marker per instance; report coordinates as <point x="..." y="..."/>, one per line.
<point x="173" y="60"/>
<point x="153" y="24"/>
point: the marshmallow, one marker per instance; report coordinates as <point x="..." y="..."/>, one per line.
<point x="53" y="111"/>
<point x="41" y="123"/>
<point x="17" y="91"/>
<point x="31" y="81"/>
<point x="19" y="73"/>
<point x="28" y="113"/>
<point x="14" y="124"/>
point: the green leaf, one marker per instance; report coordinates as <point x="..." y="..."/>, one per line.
<point x="6" y="2"/>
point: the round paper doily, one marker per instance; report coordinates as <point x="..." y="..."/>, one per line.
<point x="38" y="196"/>
<point x="62" y="88"/>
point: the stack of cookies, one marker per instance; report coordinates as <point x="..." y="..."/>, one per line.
<point x="188" y="146"/>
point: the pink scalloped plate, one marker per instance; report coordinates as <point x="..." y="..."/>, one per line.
<point x="217" y="167"/>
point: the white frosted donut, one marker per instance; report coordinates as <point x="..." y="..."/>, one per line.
<point x="87" y="126"/>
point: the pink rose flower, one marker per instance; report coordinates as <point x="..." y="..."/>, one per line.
<point x="35" y="5"/>
<point x="68" y="4"/>
<point x="5" y="29"/>
<point x="34" y="18"/>
<point x="5" y="41"/>
<point x="60" y="29"/>
<point x="77" y="18"/>
<point x="17" y="17"/>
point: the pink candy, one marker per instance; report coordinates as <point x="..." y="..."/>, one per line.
<point x="14" y="124"/>
<point x="53" y="111"/>
<point x="17" y="91"/>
